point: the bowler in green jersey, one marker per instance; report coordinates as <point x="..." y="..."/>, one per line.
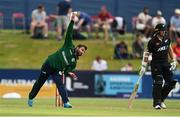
<point x="62" y="62"/>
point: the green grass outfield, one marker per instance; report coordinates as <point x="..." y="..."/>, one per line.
<point x="18" y="50"/>
<point x="87" y="107"/>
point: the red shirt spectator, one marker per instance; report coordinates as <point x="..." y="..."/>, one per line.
<point x="104" y="22"/>
<point x="176" y="49"/>
<point x="104" y="14"/>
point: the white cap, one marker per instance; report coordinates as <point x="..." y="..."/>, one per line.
<point x="159" y="12"/>
<point x="177" y="11"/>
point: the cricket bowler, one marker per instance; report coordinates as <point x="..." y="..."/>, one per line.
<point x="62" y="62"/>
<point x="160" y="47"/>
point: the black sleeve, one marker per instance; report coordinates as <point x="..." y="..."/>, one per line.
<point x="169" y="41"/>
<point x="150" y="46"/>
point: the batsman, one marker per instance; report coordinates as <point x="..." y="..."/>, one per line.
<point x="62" y="62"/>
<point x="159" y="47"/>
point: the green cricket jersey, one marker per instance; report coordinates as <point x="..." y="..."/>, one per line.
<point x="64" y="59"/>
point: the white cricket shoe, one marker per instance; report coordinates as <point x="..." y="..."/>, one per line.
<point x="157" y="107"/>
<point x="163" y="105"/>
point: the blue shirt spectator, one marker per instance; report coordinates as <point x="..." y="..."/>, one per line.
<point x="175" y="21"/>
<point x="86" y="17"/>
<point x="84" y="21"/>
<point x="174" y="30"/>
<point x="121" y="51"/>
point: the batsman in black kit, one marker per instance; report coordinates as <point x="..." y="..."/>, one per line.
<point x="159" y="46"/>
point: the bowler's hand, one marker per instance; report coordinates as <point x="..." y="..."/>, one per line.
<point x="72" y="75"/>
<point x="74" y="16"/>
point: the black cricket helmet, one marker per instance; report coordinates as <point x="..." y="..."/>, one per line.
<point x="160" y="27"/>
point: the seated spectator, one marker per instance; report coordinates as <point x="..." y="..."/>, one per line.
<point x="138" y="47"/>
<point x="84" y="22"/>
<point x="176" y="49"/>
<point x="158" y="19"/>
<point x="39" y="21"/>
<point x="119" y="25"/>
<point x="104" y="22"/>
<point x="143" y="23"/>
<point x="121" y="51"/>
<point x="99" y="64"/>
<point x="174" y="30"/>
<point x="127" y="67"/>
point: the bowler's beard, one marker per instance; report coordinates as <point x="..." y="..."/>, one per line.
<point x="77" y="54"/>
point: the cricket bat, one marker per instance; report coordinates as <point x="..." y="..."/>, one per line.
<point x="133" y="94"/>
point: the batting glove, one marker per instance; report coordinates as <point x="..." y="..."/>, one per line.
<point x="173" y="65"/>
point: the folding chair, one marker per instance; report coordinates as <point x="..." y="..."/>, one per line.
<point x="18" y="19"/>
<point x="51" y="21"/>
<point x="133" y="22"/>
<point x="1" y="20"/>
<point x="118" y="25"/>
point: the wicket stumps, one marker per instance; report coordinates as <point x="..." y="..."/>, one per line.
<point x="58" y="99"/>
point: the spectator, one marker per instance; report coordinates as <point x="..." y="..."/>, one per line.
<point x="64" y="8"/>
<point x="127" y="67"/>
<point x="104" y="22"/>
<point x="158" y="19"/>
<point x="39" y="21"/>
<point x="118" y="25"/>
<point x="143" y="24"/>
<point x="84" y="22"/>
<point x="99" y="64"/>
<point x="176" y="49"/>
<point x="121" y="51"/>
<point x="174" y="30"/>
<point x="138" y="47"/>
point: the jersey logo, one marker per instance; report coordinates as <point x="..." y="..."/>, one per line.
<point x="162" y="48"/>
<point x="73" y="59"/>
<point x="60" y="73"/>
<point x="44" y="72"/>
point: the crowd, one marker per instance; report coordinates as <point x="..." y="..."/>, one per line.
<point x="144" y="25"/>
<point x="103" y="21"/>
